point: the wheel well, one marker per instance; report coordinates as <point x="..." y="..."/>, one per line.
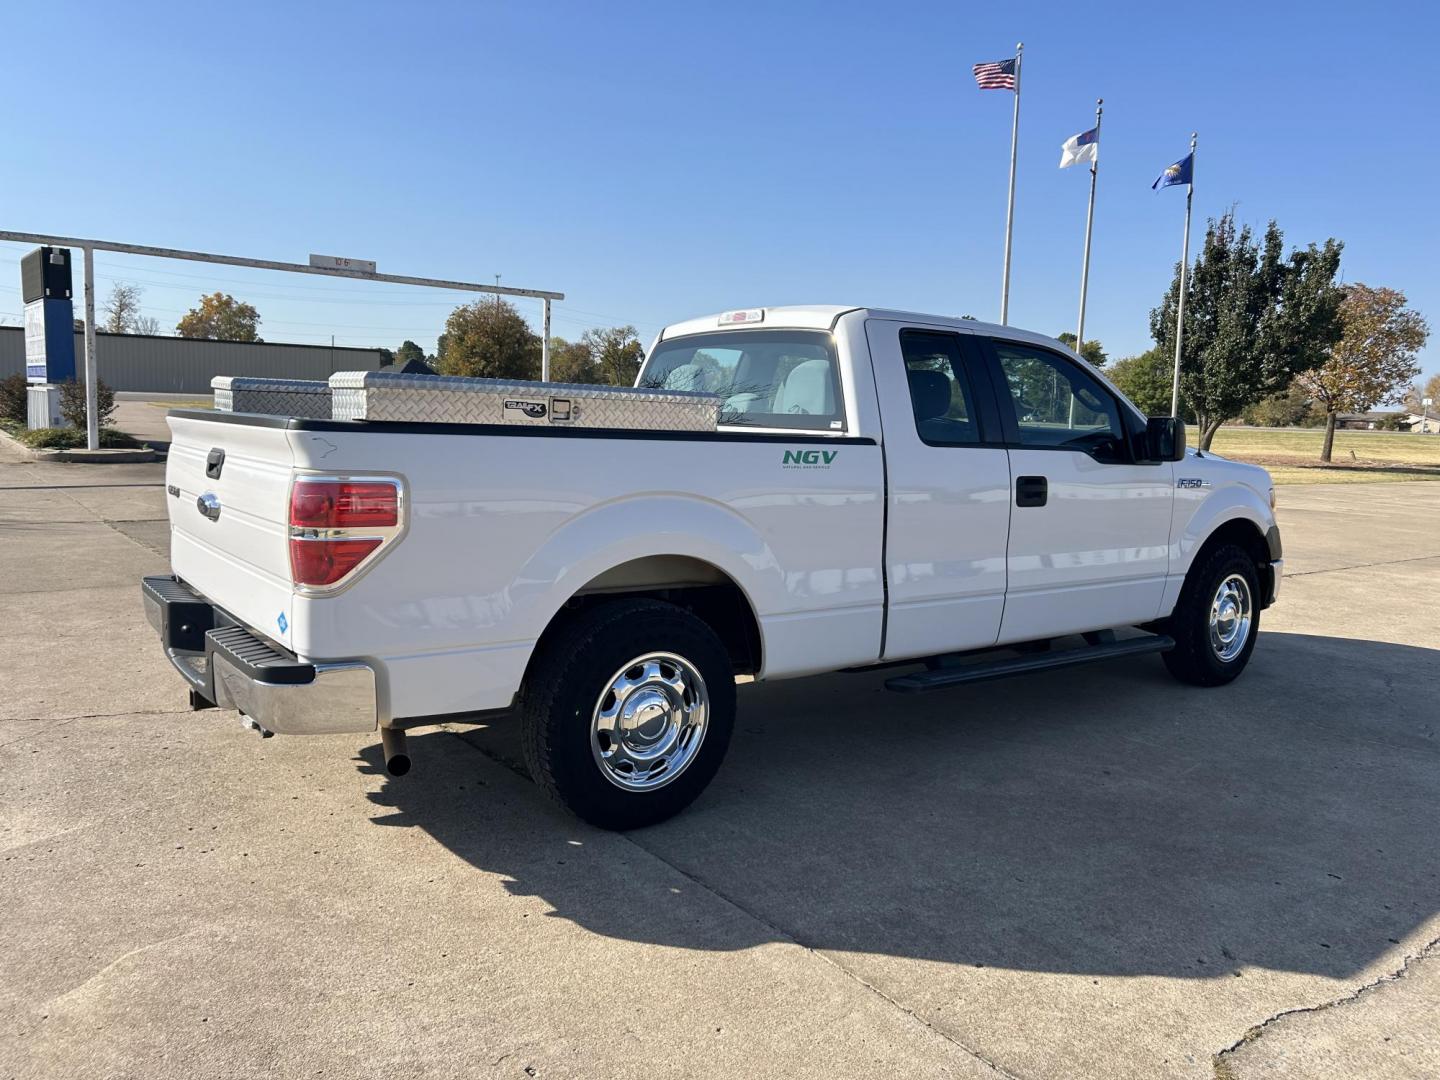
<point x="1246" y="535"/>
<point x="699" y="587"/>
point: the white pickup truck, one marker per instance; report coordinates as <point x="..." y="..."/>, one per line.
<point x="958" y="500"/>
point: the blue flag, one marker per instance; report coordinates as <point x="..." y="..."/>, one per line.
<point x="1179" y="173"/>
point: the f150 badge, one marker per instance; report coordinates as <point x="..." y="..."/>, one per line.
<point x="1189" y="482"/>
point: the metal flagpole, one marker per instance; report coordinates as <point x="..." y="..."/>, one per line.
<point x="1010" y="205"/>
<point x="1089" y="223"/>
<point x="1184" y="268"/>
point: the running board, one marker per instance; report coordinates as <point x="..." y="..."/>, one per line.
<point x="940" y="678"/>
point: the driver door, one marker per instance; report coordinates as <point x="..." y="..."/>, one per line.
<point x="1089" y="527"/>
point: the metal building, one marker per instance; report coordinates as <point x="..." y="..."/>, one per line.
<point x="174" y="365"/>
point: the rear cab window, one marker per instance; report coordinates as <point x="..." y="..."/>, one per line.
<point x="764" y="378"/>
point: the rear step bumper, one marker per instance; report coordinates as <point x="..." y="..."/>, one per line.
<point x="228" y="665"/>
<point x="981" y="671"/>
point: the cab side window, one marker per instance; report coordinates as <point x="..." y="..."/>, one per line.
<point x="941" y="392"/>
<point x="1057" y="405"/>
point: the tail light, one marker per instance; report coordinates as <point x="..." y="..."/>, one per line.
<point x="339" y="523"/>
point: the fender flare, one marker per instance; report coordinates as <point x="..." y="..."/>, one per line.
<point x="623" y="530"/>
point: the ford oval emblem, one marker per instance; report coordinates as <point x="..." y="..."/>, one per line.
<point x="209" y="505"/>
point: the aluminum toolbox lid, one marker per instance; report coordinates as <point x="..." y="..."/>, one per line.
<point x="289" y="386"/>
<point x="274" y="397"/>
<point x="395" y="396"/>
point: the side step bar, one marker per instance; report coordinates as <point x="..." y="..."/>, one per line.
<point x="939" y="678"/>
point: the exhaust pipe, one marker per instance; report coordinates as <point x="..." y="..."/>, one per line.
<point x="397" y="757"/>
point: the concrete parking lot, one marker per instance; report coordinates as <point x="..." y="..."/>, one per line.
<point x="1094" y="873"/>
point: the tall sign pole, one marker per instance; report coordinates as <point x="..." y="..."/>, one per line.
<point x="1010" y="203"/>
<point x="1184" y="269"/>
<point x="92" y="370"/>
<point x="1089" y="224"/>
<point x="545" y="339"/>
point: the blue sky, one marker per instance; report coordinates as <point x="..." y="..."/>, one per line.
<point x="656" y="161"/>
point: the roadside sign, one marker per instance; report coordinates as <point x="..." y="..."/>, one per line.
<point x="335" y="262"/>
<point x="1427" y="401"/>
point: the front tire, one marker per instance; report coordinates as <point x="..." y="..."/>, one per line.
<point x="1216" y="619"/>
<point x="627" y="712"/>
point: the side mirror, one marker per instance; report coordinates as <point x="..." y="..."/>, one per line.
<point x="1165" y="438"/>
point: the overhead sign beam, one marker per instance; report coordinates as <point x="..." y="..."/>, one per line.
<point x="325" y="265"/>
<point x="271" y="264"/>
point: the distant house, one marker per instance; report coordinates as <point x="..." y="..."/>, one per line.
<point x="1428" y="424"/>
<point x="1367" y="421"/>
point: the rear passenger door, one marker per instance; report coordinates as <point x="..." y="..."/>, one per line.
<point x="1090" y="526"/>
<point x="948" y="482"/>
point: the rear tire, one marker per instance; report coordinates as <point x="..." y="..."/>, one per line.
<point x="1216" y="619"/>
<point x="627" y="712"/>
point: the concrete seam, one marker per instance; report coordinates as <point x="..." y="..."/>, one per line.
<point x="1360" y="566"/>
<point x="1222" y="1068"/>
<point x="110" y="523"/>
<point x="61" y="721"/>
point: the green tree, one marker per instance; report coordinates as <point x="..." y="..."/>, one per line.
<point x="572" y="362"/>
<point x="1254" y="319"/>
<point x="220" y="317"/>
<point x="407" y="352"/>
<point x="489" y="339"/>
<point x="1091" y="352"/>
<point x="1374" y="359"/>
<point x="617" y="353"/>
<point x="1145" y="380"/>
<point x="1292" y="407"/>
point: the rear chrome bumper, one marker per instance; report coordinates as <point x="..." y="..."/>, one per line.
<point x="228" y="665"/>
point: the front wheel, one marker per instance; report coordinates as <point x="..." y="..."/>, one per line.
<point x="627" y="712"/>
<point x="1216" y="619"/>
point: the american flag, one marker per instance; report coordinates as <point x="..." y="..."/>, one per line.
<point x="996" y="75"/>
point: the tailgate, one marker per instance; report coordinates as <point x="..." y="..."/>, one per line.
<point x="234" y="549"/>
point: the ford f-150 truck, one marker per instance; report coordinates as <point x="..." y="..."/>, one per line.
<point x="952" y="500"/>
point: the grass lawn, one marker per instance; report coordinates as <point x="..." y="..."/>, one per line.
<point x="1293" y="454"/>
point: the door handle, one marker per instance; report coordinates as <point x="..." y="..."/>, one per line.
<point x="1031" y="490"/>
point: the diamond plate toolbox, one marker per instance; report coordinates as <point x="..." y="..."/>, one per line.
<point x="277" y="397"/>
<point x="447" y="399"/>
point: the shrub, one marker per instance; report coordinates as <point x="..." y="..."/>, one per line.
<point x="72" y="403"/>
<point x="13" y="397"/>
<point x="74" y="439"/>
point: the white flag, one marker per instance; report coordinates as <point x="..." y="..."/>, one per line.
<point x="1082" y="147"/>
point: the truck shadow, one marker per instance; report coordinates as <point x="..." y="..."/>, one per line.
<point x="1104" y="821"/>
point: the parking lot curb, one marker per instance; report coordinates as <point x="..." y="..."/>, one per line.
<point x="123" y="456"/>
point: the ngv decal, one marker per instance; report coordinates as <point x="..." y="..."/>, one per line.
<point x="808" y="459"/>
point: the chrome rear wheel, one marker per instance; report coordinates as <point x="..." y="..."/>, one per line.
<point x="649" y="721"/>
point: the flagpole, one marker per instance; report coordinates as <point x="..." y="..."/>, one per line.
<point x="1089" y="224"/>
<point x="1010" y="204"/>
<point x="1184" y="267"/>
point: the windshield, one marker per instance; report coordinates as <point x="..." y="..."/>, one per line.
<point x="764" y="378"/>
